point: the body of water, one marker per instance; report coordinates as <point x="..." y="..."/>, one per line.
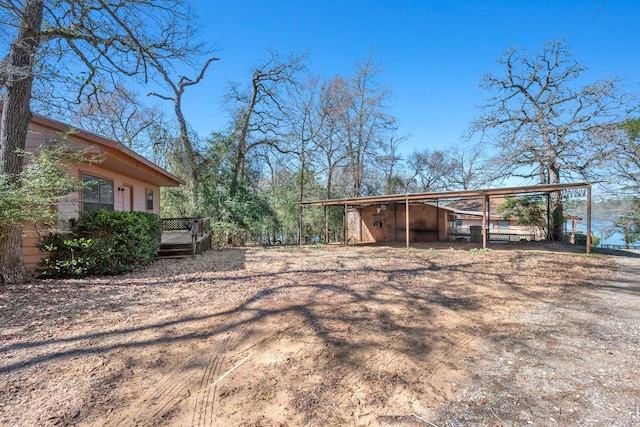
<point x="615" y="239"/>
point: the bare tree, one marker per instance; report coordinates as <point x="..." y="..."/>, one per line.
<point x="429" y="170"/>
<point x="331" y="140"/>
<point x="470" y="167"/>
<point x="177" y="89"/>
<point x="544" y="122"/>
<point x="626" y="162"/>
<point x="259" y="111"/>
<point x="305" y="122"/>
<point x="119" y="115"/>
<point x="90" y="41"/>
<point x="331" y="136"/>
<point x="366" y="121"/>
<point x="391" y="163"/>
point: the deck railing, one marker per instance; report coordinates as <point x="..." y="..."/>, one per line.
<point x="494" y="235"/>
<point x="199" y="228"/>
<point x="177" y="224"/>
<point x="622" y="247"/>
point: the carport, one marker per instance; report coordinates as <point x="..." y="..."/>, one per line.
<point x="435" y="198"/>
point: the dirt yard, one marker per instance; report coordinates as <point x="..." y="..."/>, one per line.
<point x="331" y="336"/>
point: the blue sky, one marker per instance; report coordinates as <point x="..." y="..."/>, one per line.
<point x="433" y="52"/>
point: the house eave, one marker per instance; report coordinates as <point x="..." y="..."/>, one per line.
<point x="116" y="154"/>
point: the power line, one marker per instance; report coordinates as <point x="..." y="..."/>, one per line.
<point x="599" y="9"/>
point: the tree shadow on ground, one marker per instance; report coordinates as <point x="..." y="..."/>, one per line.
<point x="379" y="322"/>
<point x="317" y="304"/>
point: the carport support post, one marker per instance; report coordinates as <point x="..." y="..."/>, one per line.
<point x="588" y="219"/>
<point x="548" y="217"/>
<point x="406" y="221"/>
<point x="346" y="226"/>
<point x="485" y="206"/>
<point x="300" y="212"/>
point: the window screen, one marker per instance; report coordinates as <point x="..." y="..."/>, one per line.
<point x="97" y="193"/>
<point x="149" y="200"/>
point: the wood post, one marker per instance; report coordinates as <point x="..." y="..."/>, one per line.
<point x="588" y="219"/>
<point x="485" y="224"/>
<point x="548" y="217"/>
<point x="346" y="226"/>
<point x="406" y="221"/>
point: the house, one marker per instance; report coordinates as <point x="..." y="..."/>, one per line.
<point x="467" y="213"/>
<point x="123" y="181"/>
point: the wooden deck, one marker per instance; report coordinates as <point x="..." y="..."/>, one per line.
<point x="177" y="237"/>
<point x="179" y="244"/>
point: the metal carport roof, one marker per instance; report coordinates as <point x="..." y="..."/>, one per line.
<point x="485" y="193"/>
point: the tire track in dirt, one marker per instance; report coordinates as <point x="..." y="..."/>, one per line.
<point x="205" y="398"/>
<point x="453" y="348"/>
<point x="178" y="392"/>
<point x="186" y="395"/>
<point x="431" y="374"/>
<point x="159" y="405"/>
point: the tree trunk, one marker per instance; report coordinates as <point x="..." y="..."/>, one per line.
<point x="556" y="208"/>
<point x="13" y="129"/>
<point x="327" y="234"/>
<point x="557" y="216"/>
<point x="190" y="152"/>
<point x="238" y="170"/>
<point x="12" y="268"/>
<point x="325" y="216"/>
<point x="300" y="198"/>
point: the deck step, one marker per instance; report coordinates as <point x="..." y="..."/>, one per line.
<point x="173" y="256"/>
<point x="164" y="253"/>
<point x="182" y="249"/>
<point x="175" y="251"/>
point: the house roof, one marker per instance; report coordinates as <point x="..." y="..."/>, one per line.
<point x="450" y="195"/>
<point x="474" y="204"/>
<point x="117" y="156"/>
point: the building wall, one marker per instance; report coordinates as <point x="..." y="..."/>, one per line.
<point x="32" y="255"/>
<point x="131" y="197"/>
<point x="39" y="135"/>
<point x="494" y="228"/>
<point x="493" y="223"/>
<point x="387" y="223"/>
<point x="121" y="199"/>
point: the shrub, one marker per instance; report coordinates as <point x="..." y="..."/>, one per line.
<point x="102" y="242"/>
<point x="44" y="181"/>
<point x="228" y="234"/>
<point x="581" y="239"/>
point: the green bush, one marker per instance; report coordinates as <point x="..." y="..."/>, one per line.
<point x="102" y="242"/>
<point x="581" y="239"/>
<point x="229" y="234"/>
